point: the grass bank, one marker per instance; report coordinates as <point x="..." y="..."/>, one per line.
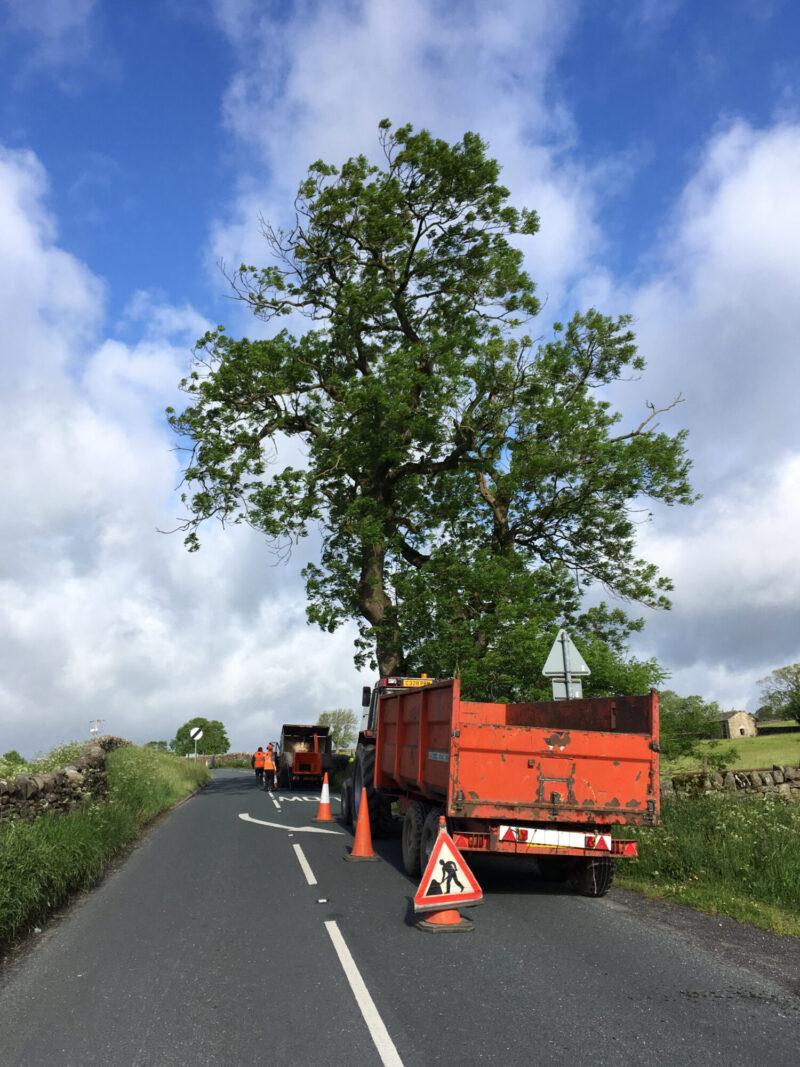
<point x="44" y="861"/>
<point x="734" y="856"/>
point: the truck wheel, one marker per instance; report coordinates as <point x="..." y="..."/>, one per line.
<point x="593" y="878"/>
<point x="430" y="831"/>
<point x="347" y="803"/>
<point x="412" y="837"/>
<point x="379" y="808"/>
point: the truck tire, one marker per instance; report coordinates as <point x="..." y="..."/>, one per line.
<point x="347" y="803"/>
<point x="430" y="831"/>
<point x="593" y="878"/>
<point x="412" y="837"/>
<point x="379" y="808"/>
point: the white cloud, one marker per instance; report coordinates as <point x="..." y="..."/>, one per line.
<point x="717" y="321"/>
<point x="316" y="82"/>
<point x="62" y="36"/>
<point x="100" y="614"/>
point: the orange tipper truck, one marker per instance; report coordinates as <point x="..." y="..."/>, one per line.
<point x="547" y="779"/>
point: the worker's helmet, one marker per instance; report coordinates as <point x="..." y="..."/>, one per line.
<point x="270" y="745"/>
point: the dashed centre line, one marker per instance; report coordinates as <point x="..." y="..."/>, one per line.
<point x="304" y="864"/>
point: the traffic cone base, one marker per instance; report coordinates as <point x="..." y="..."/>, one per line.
<point x="324" y="810"/>
<point x="448" y="921"/>
<point x="362" y="852"/>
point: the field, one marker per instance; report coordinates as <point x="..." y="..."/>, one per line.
<point x="752" y="753"/>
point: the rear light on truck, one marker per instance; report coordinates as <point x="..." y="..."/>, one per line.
<point x="624" y="848"/>
<point x="473" y="841"/>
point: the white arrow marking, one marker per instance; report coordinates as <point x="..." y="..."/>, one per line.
<point x="294" y="829"/>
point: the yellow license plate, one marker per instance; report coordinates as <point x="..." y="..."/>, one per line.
<point x="414" y="683"/>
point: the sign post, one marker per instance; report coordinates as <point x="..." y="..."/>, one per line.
<point x="195" y="733"/>
<point x="565" y="666"/>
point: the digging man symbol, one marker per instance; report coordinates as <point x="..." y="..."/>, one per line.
<point x="449" y="875"/>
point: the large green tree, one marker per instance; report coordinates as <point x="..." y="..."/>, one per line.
<point x="448" y="461"/>
<point x="780" y="694"/>
<point x="213" y="742"/>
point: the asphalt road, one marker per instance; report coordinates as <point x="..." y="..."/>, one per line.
<point x="224" y="941"/>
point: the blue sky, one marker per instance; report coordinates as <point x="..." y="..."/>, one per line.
<point x="660" y="143"/>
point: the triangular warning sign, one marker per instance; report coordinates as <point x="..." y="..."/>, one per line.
<point x="564" y="650"/>
<point x="447" y="881"/>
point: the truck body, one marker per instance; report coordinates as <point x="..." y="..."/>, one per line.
<point x="547" y="779"/>
<point x="304" y="755"/>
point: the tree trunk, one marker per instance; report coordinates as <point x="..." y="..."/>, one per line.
<point x="377" y="608"/>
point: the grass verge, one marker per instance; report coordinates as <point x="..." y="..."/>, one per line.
<point x="723" y="855"/>
<point x="44" y="861"/>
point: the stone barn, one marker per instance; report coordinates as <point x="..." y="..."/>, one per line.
<point x="737" y="724"/>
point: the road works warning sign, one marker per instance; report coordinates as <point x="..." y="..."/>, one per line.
<point x="447" y="882"/>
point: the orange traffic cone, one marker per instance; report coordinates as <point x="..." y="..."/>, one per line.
<point x="449" y="920"/>
<point x="324" y="810"/>
<point x="361" y="852"/>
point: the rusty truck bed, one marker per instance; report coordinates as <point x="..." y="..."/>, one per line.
<point x="566" y="761"/>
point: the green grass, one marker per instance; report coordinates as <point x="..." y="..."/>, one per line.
<point x="751" y="753"/>
<point x="736" y="856"/>
<point x="44" y="861"/>
<point x="53" y="760"/>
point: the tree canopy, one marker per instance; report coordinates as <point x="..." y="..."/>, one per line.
<point x="458" y="472"/>
<point x="780" y="694"/>
<point x="213" y="742"/>
<point x="344" y="726"/>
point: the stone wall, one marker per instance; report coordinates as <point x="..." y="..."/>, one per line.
<point x="30" y="795"/>
<point x="778" y="781"/>
<point x="228" y="759"/>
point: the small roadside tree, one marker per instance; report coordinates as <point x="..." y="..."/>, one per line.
<point x="780" y="694"/>
<point x="344" y="726"/>
<point x="685" y="722"/>
<point x="213" y="742"/>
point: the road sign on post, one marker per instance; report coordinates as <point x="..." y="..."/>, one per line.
<point x="565" y="666"/>
<point x="195" y="733"/>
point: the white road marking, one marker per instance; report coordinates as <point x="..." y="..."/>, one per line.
<point x="274" y="800"/>
<point x="295" y="829"/>
<point x="380" y="1035"/>
<point x="304" y="864"/>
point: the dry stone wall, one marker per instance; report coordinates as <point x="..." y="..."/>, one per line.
<point x="777" y="782"/>
<point x="229" y="759"/>
<point x="29" y="795"/>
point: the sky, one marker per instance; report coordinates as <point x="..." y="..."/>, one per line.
<point x="140" y="143"/>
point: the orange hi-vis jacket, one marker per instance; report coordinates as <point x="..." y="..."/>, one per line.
<point x="269" y="762"/>
<point x="259" y="758"/>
